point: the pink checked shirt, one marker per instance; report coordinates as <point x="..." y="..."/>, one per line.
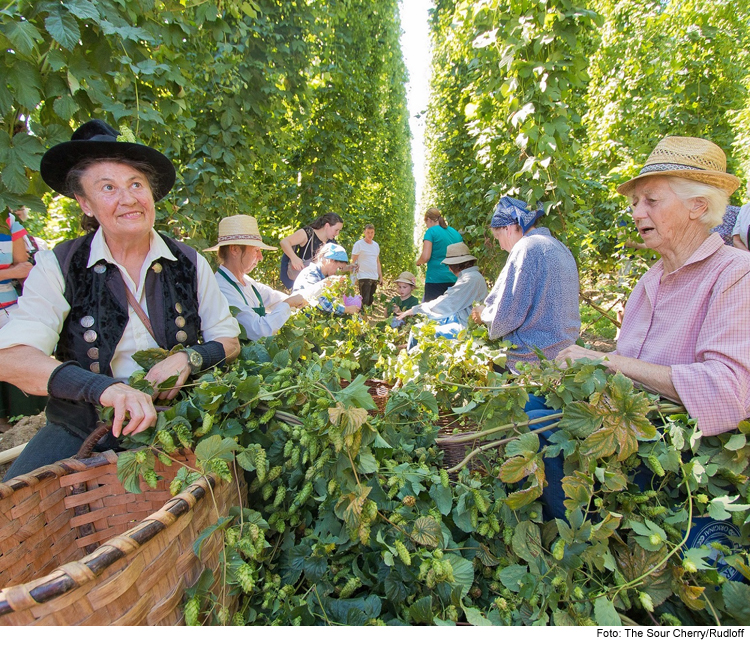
<point x="695" y="320"/>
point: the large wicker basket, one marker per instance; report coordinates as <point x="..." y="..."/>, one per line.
<point x="141" y="557"/>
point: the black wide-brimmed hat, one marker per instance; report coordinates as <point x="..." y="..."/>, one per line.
<point x="97" y="140"/>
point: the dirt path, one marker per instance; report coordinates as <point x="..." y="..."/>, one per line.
<point x="20" y="433"/>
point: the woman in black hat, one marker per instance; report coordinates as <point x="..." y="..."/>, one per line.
<point x="97" y="300"/>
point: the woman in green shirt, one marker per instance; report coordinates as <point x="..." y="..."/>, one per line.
<point x="437" y="238"/>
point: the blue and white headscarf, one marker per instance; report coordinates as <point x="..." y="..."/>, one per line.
<point x="510" y="211"/>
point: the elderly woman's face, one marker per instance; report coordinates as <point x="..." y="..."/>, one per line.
<point x="507" y="236"/>
<point x="660" y="216"/>
<point x="120" y="198"/>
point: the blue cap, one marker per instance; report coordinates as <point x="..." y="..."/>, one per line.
<point x="335" y="252"/>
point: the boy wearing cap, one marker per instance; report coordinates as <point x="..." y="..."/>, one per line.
<point x="405" y="284"/>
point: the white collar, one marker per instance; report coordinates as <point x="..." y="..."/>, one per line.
<point x="100" y="250"/>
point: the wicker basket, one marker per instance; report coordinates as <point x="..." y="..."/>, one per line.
<point x="379" y="392"/>
<point x="454" y="452"/>
<point x="142" y="558"/>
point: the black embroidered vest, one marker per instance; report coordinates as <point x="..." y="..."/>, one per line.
<point x="99" y="307"/>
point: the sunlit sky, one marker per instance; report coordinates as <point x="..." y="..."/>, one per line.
<point x="415" y="43"/>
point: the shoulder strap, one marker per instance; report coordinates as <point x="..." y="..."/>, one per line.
<point x="236" y="286"/>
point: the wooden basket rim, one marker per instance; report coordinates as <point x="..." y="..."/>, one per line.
<point x="71" y="576"/>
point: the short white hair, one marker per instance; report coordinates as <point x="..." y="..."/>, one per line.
<point x="716" y="199"/>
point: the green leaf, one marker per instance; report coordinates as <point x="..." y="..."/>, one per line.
<point x="83" y="9"/>
<point x="736" y="442"/>
<point x="517" y="468"/>
<point x="443" y="498"/>
<point x="23" y="35"/>
<point x="580" y="419"/>
<point x="62" y="27"/>
<point x="525" y="445"/>
<point x="463" y="573"/>
<point x="357" y="394"/>
<point x="426" y="531"/>
<point x="720" y="507"/>
<point x="396" y="590"/>
<point x="737" y="601"/>
<point x="421" y="611"/>
<point x="147" y="359"/>
<point x="222" y="523"/>
<point x="129" y="471"/>
<point x="605" y="613"/>
<point x="474" y="617"/>
<point x="527" y="541"/>
<point x="215" y="447"/>
<point x="512" y="575"/>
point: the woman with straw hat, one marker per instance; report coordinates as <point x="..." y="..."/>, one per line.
<point x="97" y="300"/>
<point x="682" y="334"/>
<point x="534" y="303"/>
<point x="262" y="309"/>
<point x="454" y="305"/>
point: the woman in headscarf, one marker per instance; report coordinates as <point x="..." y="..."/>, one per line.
<point x="534" y="303"/>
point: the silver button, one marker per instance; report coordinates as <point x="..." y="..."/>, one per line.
<point x="87" y="321"/>
<point x="94" y="367"/>
<point x="100" y="268"/>
<point x="179" y="321"/>
<point x="93" y="352"/>
<point x="89" y="336"/>
<point x="181" y="336"/>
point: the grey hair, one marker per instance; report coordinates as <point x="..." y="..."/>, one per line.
<point x="716" y="199"/>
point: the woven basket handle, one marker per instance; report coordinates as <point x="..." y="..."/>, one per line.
<point x="92" y="439"/>
<point x="100" y="432"/>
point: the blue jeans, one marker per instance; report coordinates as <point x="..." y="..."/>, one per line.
<point x="68" y="425"/>
<point x="434" y="290"/>
<point x="553" y="495"/>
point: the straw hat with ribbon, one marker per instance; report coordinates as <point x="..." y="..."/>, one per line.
<point x="689" y="158"/>
<point x="458" y="253"/>
<point x="240" y="230"/>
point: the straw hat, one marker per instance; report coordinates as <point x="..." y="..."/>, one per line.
<point x="240" y="230"/>
<point x="406" y="278"/>
<point x="97" y="140"/>
<point x="458" y="253"/>
<point x="690" y="158"/>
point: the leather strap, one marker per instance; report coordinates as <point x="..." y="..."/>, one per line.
<point x="139" y="311"/>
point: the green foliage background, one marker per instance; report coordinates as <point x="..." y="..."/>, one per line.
<point x="562" y="100"/>
<point x="281" y="109"/>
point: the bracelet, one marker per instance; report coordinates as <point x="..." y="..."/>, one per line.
<point x="71" y="382"/>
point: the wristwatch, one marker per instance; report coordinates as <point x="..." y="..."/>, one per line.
<point x="195" y="360"/>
